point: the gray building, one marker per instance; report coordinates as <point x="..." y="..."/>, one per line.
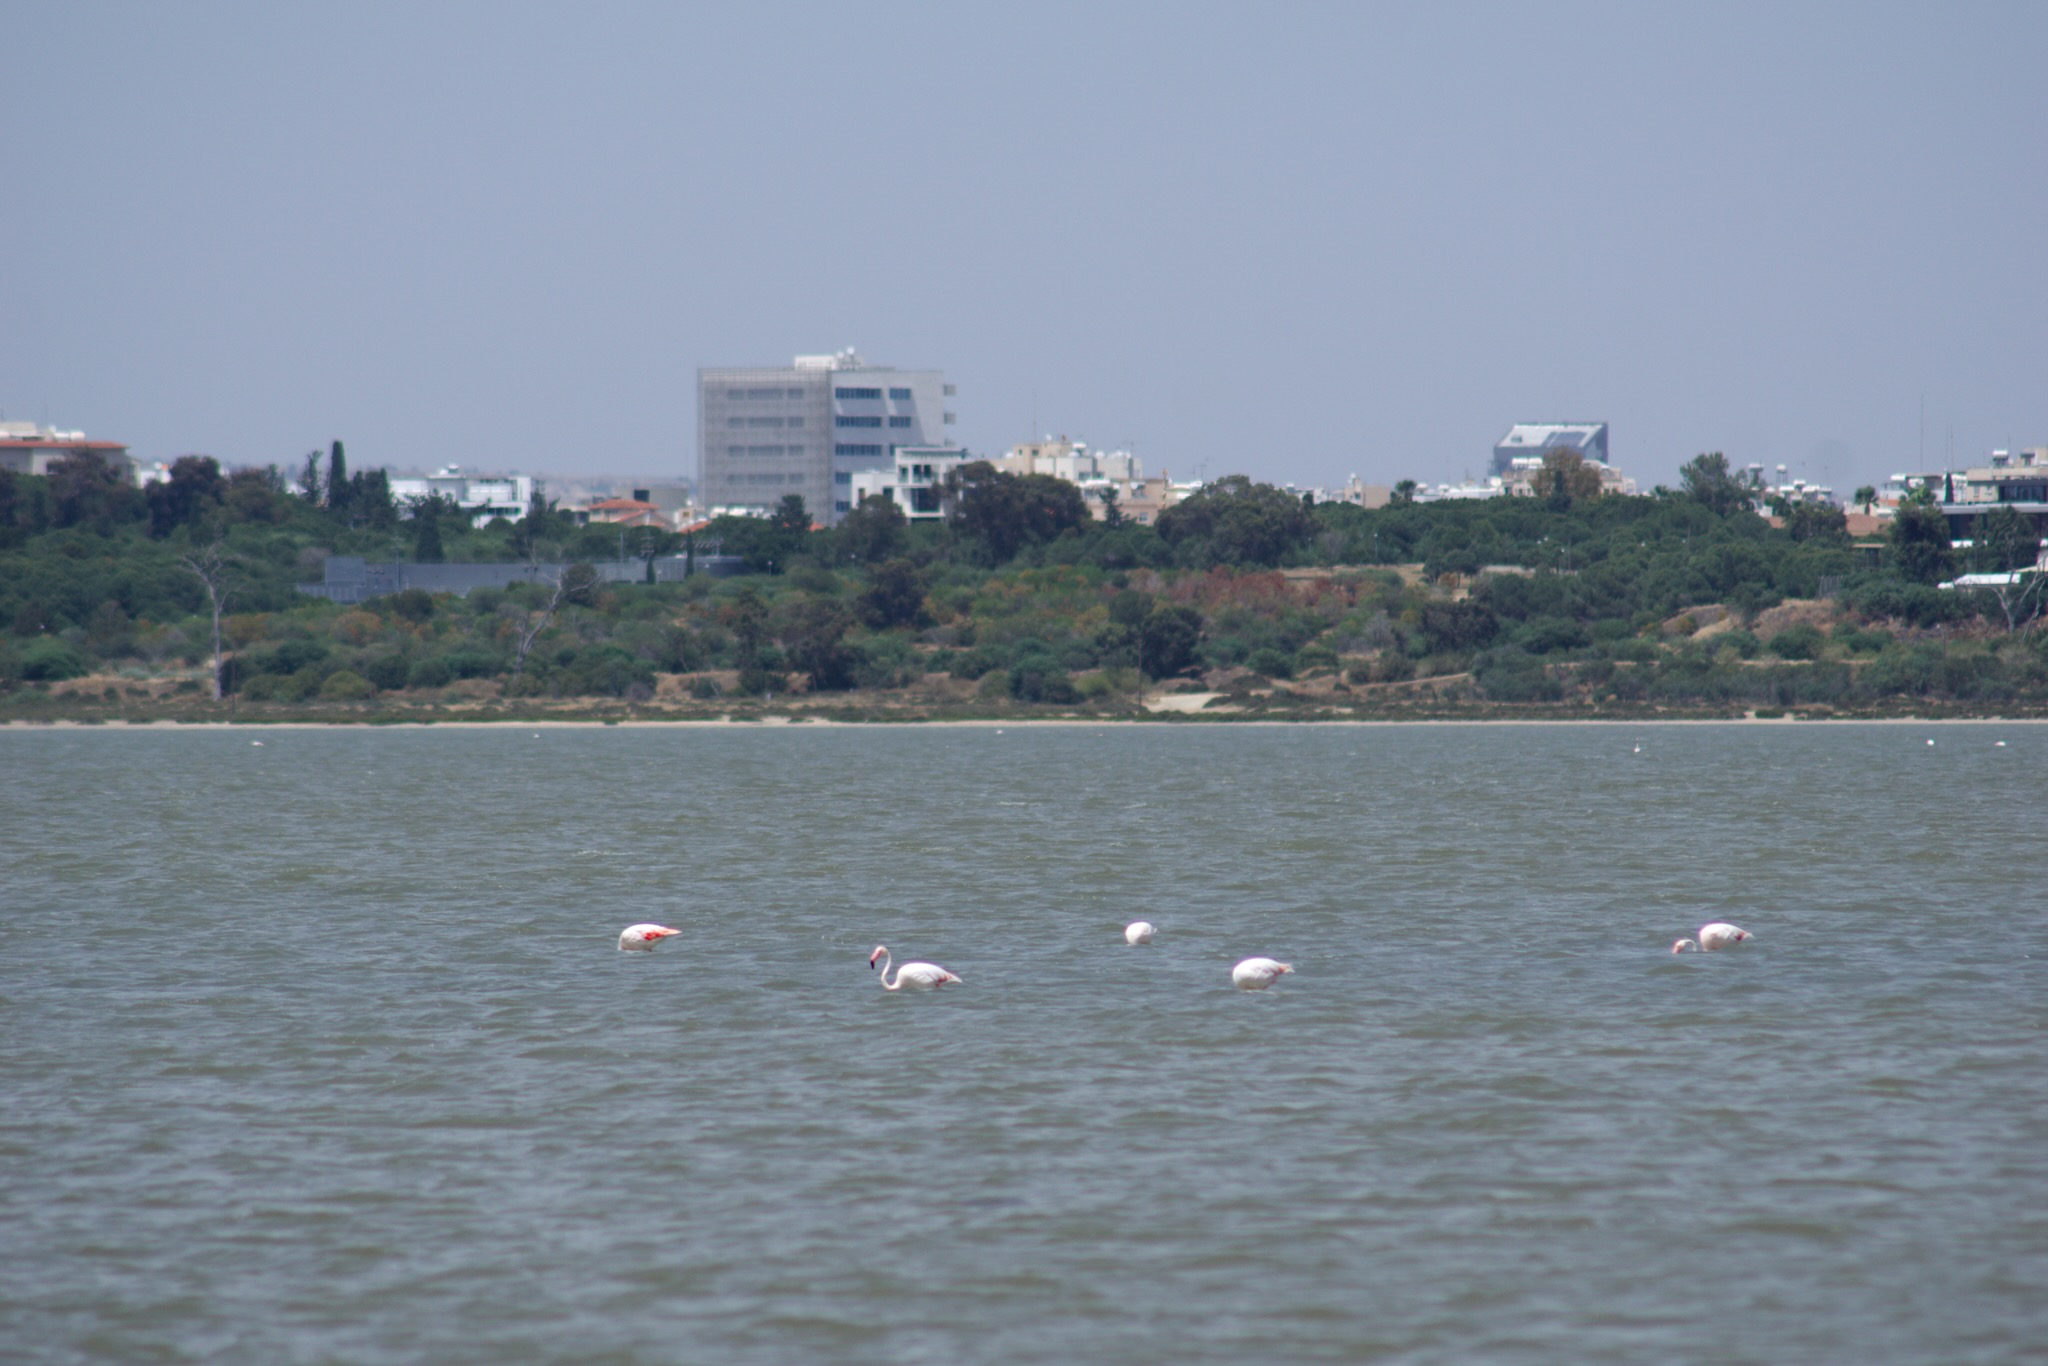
<point x="763" y="433"/>
<point x="1525" y="439"/>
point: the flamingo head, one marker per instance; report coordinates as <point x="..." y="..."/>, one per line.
<point x="880" y="949"/>
<point x="1741" y="935"/>
<point x="1286" y="968"/>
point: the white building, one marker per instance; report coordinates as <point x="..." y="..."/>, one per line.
<point x="914" y="480"/>
<point x="1588" y="439"/>
<point x="481" y="496"/>
<point x="809" y="428"/>
<point x="28" y="449"/>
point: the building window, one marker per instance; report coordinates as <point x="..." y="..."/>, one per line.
<point x="841" y="505"/>
<point x="842" y="476"/>
<point x="844" y="421"/>
<point x="899" y="422"/>
<point x="793" y="393"/>
<point x="856" y="393"/>
<point x="900" y="395"/>
<point x="854" y="448"/>
<point x="796" y="422"/>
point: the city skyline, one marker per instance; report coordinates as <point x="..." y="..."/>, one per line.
<point x="1299" y="245"/>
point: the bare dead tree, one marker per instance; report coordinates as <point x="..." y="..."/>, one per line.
<point x="2021" y="599"/>
<point x="210" y="565"/>
<point x="538" y="621"/>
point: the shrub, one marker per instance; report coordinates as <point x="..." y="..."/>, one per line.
<point x="1312" y="658"/>
<point x="1743" y="643"/>
<point x="345" y="685"/>
<point x="473" y="663"/>
<point x="1543" y="635"/>
<point x="606" y="671"/>
<point x="52" y="661"/>
<point x="386" y="672"/>
<point x="1797" y="642"/>
<point x="1512" y="676"/>
<point x="704" y="689"/>
<point x="1039" y="679"/>
<point x="412" y="604"/>
<point x="1270" y="663"/>
<point x="432" y="672"/>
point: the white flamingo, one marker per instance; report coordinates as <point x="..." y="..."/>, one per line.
<point x="644" y="937"/>
<point x="910" y="974"/>
<point x="1256" y="974"/>
<point x="1138" y="932"/>
<point x="1719" y="935"/>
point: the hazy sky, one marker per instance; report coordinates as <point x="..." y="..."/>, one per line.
<point x="1296" y="241"/>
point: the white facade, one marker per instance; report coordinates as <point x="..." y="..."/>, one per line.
<point x="914" y="480"/>
<point x="481" y="496"/>
<point x="1589" y="439"/>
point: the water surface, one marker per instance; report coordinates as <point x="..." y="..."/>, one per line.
<point x="319" y="1050"/>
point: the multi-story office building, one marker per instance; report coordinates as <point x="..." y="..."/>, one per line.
<point x="764" y="433"/>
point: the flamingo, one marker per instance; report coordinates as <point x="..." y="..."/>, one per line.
<point x="1138" y="932"/>
<point x="644" y="937"/>
<point x="1256" y="974"/>
<point x="910" y="974"/>
<point x="1719" y="935"/>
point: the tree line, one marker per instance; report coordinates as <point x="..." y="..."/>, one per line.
<point x="1019" y="591"/>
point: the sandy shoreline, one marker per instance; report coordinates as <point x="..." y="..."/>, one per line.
<point x="820" y="723"/>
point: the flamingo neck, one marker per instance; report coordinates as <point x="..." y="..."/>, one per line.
<point x="887" y="960"/>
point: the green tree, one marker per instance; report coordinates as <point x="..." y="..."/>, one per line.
<point x="815" y="638"/>
<point x="1235" y="521"/>
<point x="193" y="489"/>
<point x="427" y="513"/>
<point x="1810" y="521"/>
<point x="309" y="479"/>
<point x="337" y="479"/>
<point x="87" y="490"/>
<point x="1920" y="540"/>
<point x="1708" y="481"/>
<point x="2005" y="541"/>
<point x="894" y="595"/>
<point x="1565" y="478"/>
<point x="1003" y="513"/>
<point x="1865" y="496"/>
<point x="1167" y="640"/>
<point x="874" y="531"/>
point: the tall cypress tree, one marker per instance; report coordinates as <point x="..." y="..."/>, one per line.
<point x="337" y="478"/>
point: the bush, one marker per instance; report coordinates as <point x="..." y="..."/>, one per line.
<point x="473" y="663"/>
<point x="1313" y="658"/>
<point x="704" y="689"/>
<point x="606" y="671"/>
<point x="1513" y="676"/>
<point x="386" y="672"/>
<point x="1270" y="663"/>
<point x="52" y="661"/>
<point x="1743" y="643"/>
<point x="1544" y="635"/>
<point x="1797" y="642"/>
<point x="413" y="604"/>
<point x="432" y="672"/>
<point x="345" y="685"/>
<point x="1039" y="679"/>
